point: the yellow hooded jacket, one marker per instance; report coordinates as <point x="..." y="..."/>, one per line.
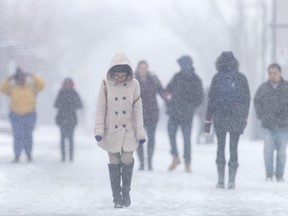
<point x="23" y="98"/>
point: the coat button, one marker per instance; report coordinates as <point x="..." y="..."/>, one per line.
<point x="116" y="113"/>
<point x="124" y="125"/>
<point x="125" y="84"/>
<point x="124" y="98"/>
<point x="116" y="126"/>
<point x="124" y="112"/>
<point x="116" y="98"/>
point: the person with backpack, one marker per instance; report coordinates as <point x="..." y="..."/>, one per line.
<point x="22" y="88"/>
<point x="119" y="125"/>
<point x="271" y="104"/>
<point x="228" y="108"/>
<point x="150" y="86"/>
<point x="185" y="93"/>
<point x="67" y="103"/>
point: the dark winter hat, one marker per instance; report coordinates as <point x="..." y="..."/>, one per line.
<point x="120" y="68"/>
<point x="20" y="74"/>
<point x="185" y="62"/>
<point x="68" y="83"/>
<point x="227" y="62"/>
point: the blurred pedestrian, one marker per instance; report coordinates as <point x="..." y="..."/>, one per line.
<point x="67" y="103"/>
<point x="150" y="86"/>
<point x="185" y="94"/>
<point x="22" y="88"/>
<point x="119" y="125"/>
<point x="271" y="104"/>
<point x="228" y="107"/>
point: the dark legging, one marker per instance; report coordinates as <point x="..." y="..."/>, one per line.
<point x="67" y="133"/>
<point x="151" y="129"/>
<point x="234" y="139"/>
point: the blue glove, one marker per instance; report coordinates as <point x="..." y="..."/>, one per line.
<point x="142" y="141"/>
<point x="98" y="138"/>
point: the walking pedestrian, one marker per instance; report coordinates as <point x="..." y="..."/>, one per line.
<point x="228" y="107"/>
<point x="150" y="87"/>
<point x="67" y="103"/>
<point x="119" y="125"/>
<point x="22" y="88"/>
<point x="271" y="104"/>
<point x="185" y="94"/>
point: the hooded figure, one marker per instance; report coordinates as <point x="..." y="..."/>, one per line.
<point x="119" y="125"/>
<point x="67" y="103"/>
<point x="119" y="118"/>
<point x="228" y="107"/>
<point x="186" y="94"/>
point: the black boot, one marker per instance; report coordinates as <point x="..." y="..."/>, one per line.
<point x="127" y="171"/>
<point x="115" y="180"/>
<point x="150" y="155"/>
<point x="150" y="168"/>
<point x="232" y="175"/>
<point x="221" y="176"/>
<point x="140" y="152"/>
<point x="16" y="159"/>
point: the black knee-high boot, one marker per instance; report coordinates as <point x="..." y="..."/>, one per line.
<point x="140" y="152"/>
<point x="232" y="175"/>
<point x="115" y="180"/>
<point x="221" y="176"/>
<point x="127" y="171"/>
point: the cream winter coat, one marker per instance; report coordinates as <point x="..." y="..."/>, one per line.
<point x="119" y="119"/>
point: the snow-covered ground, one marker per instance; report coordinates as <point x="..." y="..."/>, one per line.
<point x="48" y="187"/>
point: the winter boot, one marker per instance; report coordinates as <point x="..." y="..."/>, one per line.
<point x="115" y="180"/>
<point x="140" y="152"/>
<point x="175" y="162"/>
<point x="16" y="159"/>
<point x="150" y="168"/>
<point x="127" y="171"/>
<point x="221" y="176"/>
<point x="232" y="175"/>
<point x="29" y="158"/>
<point x="188" y="167"/>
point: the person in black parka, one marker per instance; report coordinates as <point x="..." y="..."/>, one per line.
<point x="228" y="107"/>
<point x="67" y="102"/>
<point x="185" y="94"/>
<point x="150" y="86"/>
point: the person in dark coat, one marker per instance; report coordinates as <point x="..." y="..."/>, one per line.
<point x="150" y="86"/>
<point x="185" y="94"/>
<point x="67" y="103"/>
<point x="228" y="107"/>
<point x="271" y="104"/>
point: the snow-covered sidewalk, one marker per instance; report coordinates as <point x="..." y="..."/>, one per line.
<point x="49" y="187"/>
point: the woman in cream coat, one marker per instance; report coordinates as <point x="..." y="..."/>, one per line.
<point x="119" y="125"/>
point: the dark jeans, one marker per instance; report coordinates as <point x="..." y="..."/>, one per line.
<point x="151" y="129"/>
<point x="67" y="133"/>
<point x="22" y="126"/>
<point x="186" y="126"/>
<point x="234" y="139"/>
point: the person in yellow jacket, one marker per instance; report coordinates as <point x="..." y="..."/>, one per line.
<point x="22" y="88"/>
